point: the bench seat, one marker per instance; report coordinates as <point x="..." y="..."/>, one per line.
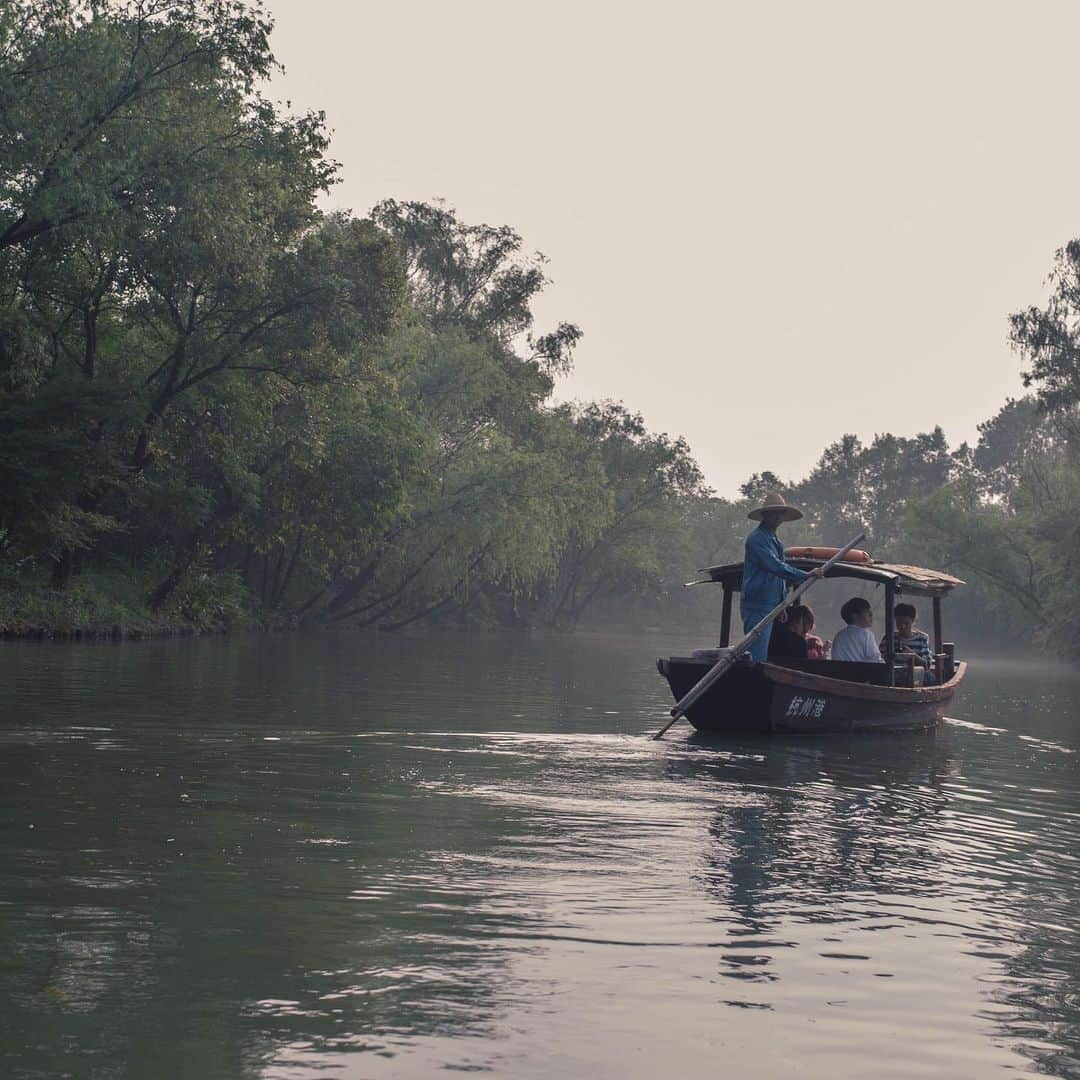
<point x="849" y="670"/>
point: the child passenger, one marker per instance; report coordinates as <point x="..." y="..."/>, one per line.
<point x="908" y="639"/>
<point x="856" y="640"/>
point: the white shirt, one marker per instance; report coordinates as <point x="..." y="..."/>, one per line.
<point x="856" y="643"/>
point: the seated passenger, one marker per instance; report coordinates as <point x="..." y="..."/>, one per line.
<point x="856" y="641"/>
<point x="816" y="649"/>
<point x="788" y="638"/>
<point x="907" y="639"/>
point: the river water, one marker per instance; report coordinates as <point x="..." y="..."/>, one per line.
<point x="337" y="855"/>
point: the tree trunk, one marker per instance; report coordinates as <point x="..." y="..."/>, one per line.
<point x="62" y="569"/>
<point x="279" y="595"/>
<point x="166" y="588"/>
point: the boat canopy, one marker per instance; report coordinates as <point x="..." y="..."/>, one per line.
<point x="914" y="580"/>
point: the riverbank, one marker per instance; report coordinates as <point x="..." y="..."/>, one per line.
<point x="112" y="605"/>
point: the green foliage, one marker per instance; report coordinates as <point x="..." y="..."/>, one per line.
<point x="112" y="109"/>
<point x="1048" y="338"/>
<point x="48" y="455"/>
<point x="212" y="601"/>
<point x="166" y="281"/>
<point x="650" y="482"/>
<point x="110" y="601"/>
<point x="254" y="406"/>
<point x="993" y="514"/>
<point x="1019" y="432"/>
<point x="1009" y="523"/>
<point x="1008" y="516"/>
<point x="202" y="375"/>
<point x="857" y="488"/>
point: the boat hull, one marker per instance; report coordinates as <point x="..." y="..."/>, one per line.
<point x="773" y="699"/>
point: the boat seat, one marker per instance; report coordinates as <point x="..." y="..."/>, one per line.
<point x="850" y="670"/>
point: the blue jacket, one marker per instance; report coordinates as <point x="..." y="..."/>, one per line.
<point x="765" y="572"/>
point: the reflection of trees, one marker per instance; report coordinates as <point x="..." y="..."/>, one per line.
<point x="322" y="941"/>
<point x="1037" y="996"/>
<point x="176" y="900"/>
<point x="1037" y="992"/>
<point x="820" y="830"/>
<point x="1034" y="862"/>
<point x="1028" y="861"/>
<point x="802" y="826"/>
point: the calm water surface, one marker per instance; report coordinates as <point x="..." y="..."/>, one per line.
<point x="340" y="856"/>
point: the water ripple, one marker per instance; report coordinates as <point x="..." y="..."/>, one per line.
<point x="284" y="854"/>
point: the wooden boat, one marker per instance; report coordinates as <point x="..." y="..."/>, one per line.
<point x="822" y="696"/>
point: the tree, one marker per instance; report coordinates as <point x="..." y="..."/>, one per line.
<point x="474" y="278"/>
<point x="489" y="505"/>
<point x="649" y="480"/>
<point x="1019" y="431"/>
<point x="761" y="485"/>
<point x="159" y="236"/>
<point x="1049" y="340"/>
<point x="1005" y="517"/>
<point x="96" y="100"/>
<point x="857" y="488"/>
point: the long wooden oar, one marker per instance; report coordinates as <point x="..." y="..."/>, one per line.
<point x="721" y="667"/>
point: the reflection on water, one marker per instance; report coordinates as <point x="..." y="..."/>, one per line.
<point x="373" y="857"/>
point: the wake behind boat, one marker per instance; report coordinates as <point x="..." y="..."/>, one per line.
<point x="793" y="696"/>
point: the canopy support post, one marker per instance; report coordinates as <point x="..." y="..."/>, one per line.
<point x="938" y="635"/>
<point x="725" y="618"/>
<point x="890" y="641"/>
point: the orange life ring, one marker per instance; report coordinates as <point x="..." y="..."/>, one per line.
<point x="824" y="553"/>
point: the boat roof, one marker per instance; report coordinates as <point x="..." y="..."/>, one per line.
<point x="915" y="580"/>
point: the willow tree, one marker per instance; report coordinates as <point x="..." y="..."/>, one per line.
<point x="488" y="505"/>
<point x="651" y="483"/>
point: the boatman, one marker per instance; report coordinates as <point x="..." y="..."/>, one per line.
<point x="765" y="573"/>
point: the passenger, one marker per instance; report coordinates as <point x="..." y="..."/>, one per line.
<point x="788" y="638"/>
<point x="907" y="639"/>
<point x="816" y="649"/>
<point x="856" y="640"/>
<point x="766" y="574"/>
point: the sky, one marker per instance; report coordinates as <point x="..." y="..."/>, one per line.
<point x="775" y="223"/>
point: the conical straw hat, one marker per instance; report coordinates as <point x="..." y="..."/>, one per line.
<point x="775" y="501"/>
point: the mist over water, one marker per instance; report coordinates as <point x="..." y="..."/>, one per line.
<point x="379" y="857"/>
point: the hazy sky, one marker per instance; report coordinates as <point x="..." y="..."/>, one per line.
<point x="775" y="222"/>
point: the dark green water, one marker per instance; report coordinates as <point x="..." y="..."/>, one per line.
<point x="336" y="856"/>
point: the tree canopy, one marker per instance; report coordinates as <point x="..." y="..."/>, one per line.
<point x="242" y="401"/>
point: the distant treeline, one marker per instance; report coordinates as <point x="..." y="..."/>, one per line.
<point x="218" y="402"/>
